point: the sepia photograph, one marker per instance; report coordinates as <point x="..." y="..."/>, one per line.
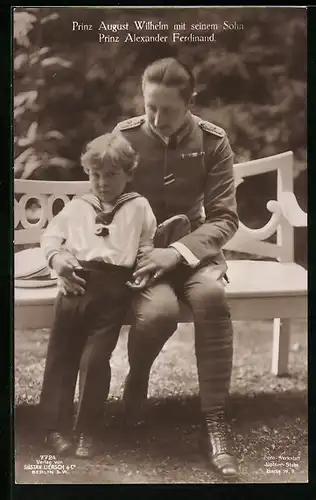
<point x="160" y="245"/>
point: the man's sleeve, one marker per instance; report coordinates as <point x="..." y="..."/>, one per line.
<point x="221" y="221"/>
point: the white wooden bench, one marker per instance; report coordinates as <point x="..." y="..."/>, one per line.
<point x="258" y="289"/>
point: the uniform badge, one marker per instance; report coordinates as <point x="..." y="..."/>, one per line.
<point x="211" y="128"/>
<point x="137" y="121"/>
<point x="194" y="154"/>
<point x="169" y="179"/>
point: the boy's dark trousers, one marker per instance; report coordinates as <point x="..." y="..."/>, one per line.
<point x="83" y="336"/>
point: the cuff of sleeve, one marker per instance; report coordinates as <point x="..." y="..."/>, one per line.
<point x="49" y="257"/>
<point x="188" y="256"/>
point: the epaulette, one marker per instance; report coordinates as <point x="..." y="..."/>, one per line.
<point x="134" y="122"/>
<point x="211" y="128"/>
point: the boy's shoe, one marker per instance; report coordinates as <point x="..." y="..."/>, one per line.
<point x="59" y="443"/>
<point x="85" y="446"/>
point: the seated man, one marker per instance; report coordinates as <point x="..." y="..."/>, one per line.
<point x="185" y="167"/>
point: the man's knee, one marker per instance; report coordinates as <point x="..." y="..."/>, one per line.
<point x="209" y="296"/>
<point x="157" y="307"/>
<point x="214" y="291"/>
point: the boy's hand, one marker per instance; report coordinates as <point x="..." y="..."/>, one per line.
<point x="65" y="265"/>
<point x="70" y="287"/>
<point x="158" y="261"/>
<point x="139" y="283"/>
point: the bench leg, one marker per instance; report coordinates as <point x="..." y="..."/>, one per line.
<point x="79" y="382"/>
<point x="281" y="345"/>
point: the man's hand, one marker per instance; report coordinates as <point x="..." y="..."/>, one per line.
<point x="65" y="264"/>
<point x="158" y="261"/>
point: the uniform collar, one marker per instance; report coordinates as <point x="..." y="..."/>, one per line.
<point x="177" y="136"/>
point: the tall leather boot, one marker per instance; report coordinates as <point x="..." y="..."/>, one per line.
<point x="219" y="445"/>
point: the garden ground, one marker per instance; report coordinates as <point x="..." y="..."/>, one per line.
<point x="269" y="415"/>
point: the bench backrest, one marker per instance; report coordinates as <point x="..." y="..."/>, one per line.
<point x="252" y="241"/>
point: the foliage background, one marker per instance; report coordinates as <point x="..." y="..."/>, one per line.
<point x="69" y="88"/>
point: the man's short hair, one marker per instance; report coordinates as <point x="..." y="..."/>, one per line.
<point x="172" y="73"/>
<point x="110" y="149"/>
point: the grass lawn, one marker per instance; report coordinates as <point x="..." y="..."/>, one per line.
<point x="269" y="414"/>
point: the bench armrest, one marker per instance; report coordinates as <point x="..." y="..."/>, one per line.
<point x="291" y="210"/>
<point x="260" y="234"/>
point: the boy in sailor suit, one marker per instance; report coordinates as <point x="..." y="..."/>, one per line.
<point x="94" y="243"/>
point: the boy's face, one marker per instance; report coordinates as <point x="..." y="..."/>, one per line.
<point x="108" y="183"/>
<point x="165" y="108"/>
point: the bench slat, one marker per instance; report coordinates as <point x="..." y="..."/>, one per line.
<point x="247" y="279"/>
<point x="38" y="316"/>
<point x="258" y="289"/>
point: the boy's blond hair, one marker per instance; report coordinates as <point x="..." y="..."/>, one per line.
<point x="110" y="149"/>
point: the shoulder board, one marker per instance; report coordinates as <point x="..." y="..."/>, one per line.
<point x="212" y="129"/>
<point x="131" y="123"/>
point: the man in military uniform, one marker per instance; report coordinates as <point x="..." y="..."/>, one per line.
<point x="185" y="167"/>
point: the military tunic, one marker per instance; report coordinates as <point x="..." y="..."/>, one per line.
<point x="192" y="174"/>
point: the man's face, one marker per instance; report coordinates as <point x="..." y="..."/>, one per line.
<point x="165" y="108"/>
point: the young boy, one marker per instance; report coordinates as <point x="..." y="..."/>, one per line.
<point x="93" y="243"/>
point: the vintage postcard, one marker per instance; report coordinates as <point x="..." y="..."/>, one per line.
<point x="160" y="205"/>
